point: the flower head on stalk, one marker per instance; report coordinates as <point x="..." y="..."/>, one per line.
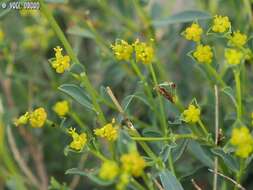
<point x="203" y="54"/>
<point x="109" y="131"/>
<point x="191" y="114"/>
<point x="243" y="141"/>
<point x="193" y="32"/>
<point x="221" y="24"/>
<point x="61" y="62"/>
<point x="144" y="52"/>
<point x="79" y="140"/>
<point x="122" y="50"/>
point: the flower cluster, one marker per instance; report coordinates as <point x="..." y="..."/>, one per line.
<point x="79" y="140"/>
<point x="203" y="54"/>
<point x="144" y="52"/>
<point x="36" y="118"/>
<point x="238" y="39"/>
<point x="61" y="108"/>
<point x="122" y="50"/>
<point x="132" y="164"/>
<point x="109" y="131"/>
<point x="233" y="56"/>
<point x="193" y="32"/>
<point x="109" y="170"/>
<point x="61" y="62"/>
<point x="191" y="114"/>
<point x="221" y="24"/>
<point x="243" y="141"/>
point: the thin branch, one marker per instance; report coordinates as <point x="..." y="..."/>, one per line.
<point x="158" y="185"/>
<point x="195" y="185"/>
<point x="216" y="135"/>
<point x="228" y="178"/>
<point x="119" y="108"/>
<point x="22" y="164"/>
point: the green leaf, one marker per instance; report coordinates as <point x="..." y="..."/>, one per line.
<point x="169" y="181"/>
<point x="82" y="32"/>
<point x="124" y="142"/>
<point x="77" y="93"/>
<point x="178" y="151"/>
<point x="91" y="176"/>
<point x="200" y="153"/>
<point x="229" y="91"/>
<point x="166" y="150"/>
<point x="181" y="17"/>
<point x="229" y="160"/>
<point x="149" y="132"/>
<point x="77" y="68"/>
<point x="128" y="100"/>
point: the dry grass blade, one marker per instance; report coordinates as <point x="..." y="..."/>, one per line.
<point x="228" y="178"/>
<point x="23" y="166"/>
<point x="195" y="185"/>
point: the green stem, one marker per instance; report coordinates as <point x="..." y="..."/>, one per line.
<point x="238" y="94"/>
<point x="145" y="147"/>
<point x="170" y="159"/>
<point x="74" y="58"/>
<point x="98" y="155"/>
<point x="214" y="73"/>
<point x="239" y="173"/>
<point x="174" y="137"/>
<point x="94" y="97"/>
<point x="137" y="185"/>
<point x="163" y="118"/>
<point x="203" y="127"/>
<point x="146" y="88"/>
<point x="78" y="120"/>
<point x="147" y="181"/>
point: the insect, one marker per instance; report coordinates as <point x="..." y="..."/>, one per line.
<point x="167" y="90"/>
<point x="221" y="137"/>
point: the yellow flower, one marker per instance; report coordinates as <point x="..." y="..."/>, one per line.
<point x="123" y="181"/>
<point x="233" y="56"/>
<point x="191" y="114"/>
<point x="242" y="139"/>
<point x="122" y="50"/>
<point x="38" y="117"/>
<point x="61" y="63"/>
<point x="244" y="151"/>
<point x="193" y="32"/>
<point x="220" y="23"/>
<point x="108" y="131"/>
<point x="143" y="52"/>
<point x="109" y="170"/>
<point x="61" y="108"/>
<point x="22" y="120"/>
<point x="241" y="136"/>
<point x="78" y="141"/>
<point x="238" y="39"/>
<point x="203" y="54"/>
<point x="133" y="163"/>
<point x="1" y="35"/>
